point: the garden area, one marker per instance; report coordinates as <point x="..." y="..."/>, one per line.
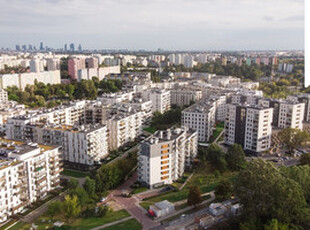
<point x="46" y="221"/>
<point x="218" y="129"/>
<point x="74" y="173"/>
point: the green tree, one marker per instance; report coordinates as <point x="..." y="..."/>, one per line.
<point x="90" y="186"/>
<point x="293" y="138"/>
<point x="194" y="196"/>
<point x="54" y="208"/>
<point x="73" y="184"/>
<point x="81" y="194"/>
<point x="71" y="207"/>
<point x="265" y="192"/>
<point x="224" y="190"/>
<point x="216" y="157"/>
<point x="305" y="159"/>
<point x="275" y="225"/>
<point x="235" y="157"/>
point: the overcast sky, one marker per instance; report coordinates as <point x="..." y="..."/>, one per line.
<point x="152" y="24"/>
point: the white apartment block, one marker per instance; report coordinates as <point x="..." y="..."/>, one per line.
<point x="249" y="126"/>
<point x="184" y="97"/>
<point x="123" y="128"/>
<point x="286" y="114"/>
<point x="201" y="118"/>
<point x="20" y="80"/>
<point x="303" y="98"/>
<point x="27" y="173"/>
<point x="164" y="156"/>
<point x="160" y="98"/>
<point x="3" y="95"/>
<point x="81" y="145"/>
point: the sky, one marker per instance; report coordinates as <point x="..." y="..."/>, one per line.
<point x="153" y="24"/>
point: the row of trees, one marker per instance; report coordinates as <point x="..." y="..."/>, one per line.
<point x="40" y="94"/>
<point x="234" y="159"/>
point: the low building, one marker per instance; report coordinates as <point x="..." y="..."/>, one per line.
<point x="161" y="208"/>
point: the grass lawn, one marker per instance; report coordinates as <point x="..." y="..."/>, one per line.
<point x="74" y="173"/>
<point x="78" y="224"/>
<point x="138" y="190"/>
<point x="150" y="129"/>
<point x="20" y="226"/>
<point x="146" y="205"/>
<point x="92" y="222"/>
<point x="219" y="128"/>
<point x="132" y="224"/>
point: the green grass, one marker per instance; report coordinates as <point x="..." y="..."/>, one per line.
<point x="150" y="129"/>
<point x="92" y="222"/>
<point x="146" y="205"/>
<point x="74" y="173"/>
<point x="138" y="190"/>
<point x="20" y="226"/>
<point x="131" y="224"/>
<point x="219" y="128"/>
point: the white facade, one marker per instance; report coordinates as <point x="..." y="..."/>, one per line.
<point x="160" y="98"/>
<point x="183" y="97"/>
<point x="200" y="117"/>
<point x="23" y="79"/>
<point x="26" y="175"/>
<point x="164" y="156"/>
<point x="249" y="126"/>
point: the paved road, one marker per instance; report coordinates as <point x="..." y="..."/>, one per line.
<point x="132" y="204"/>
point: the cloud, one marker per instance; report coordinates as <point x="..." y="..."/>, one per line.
<point x="137" y="21"/>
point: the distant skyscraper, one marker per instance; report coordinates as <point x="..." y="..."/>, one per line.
<point x="41" y="46"/>
<point x="65" y="47"/>
<point x="24" y="47"/>
<point x="72" y="47"/>
<point x="29" y="47"/>
<point x="80" y="48"/>
<point x="17" y="47"/>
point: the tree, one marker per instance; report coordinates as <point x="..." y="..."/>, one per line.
<point x="305" y="159"/>
<point x="71" y="207"/>
<point x="90" y="186"/>
<point x="54" y="208"/>
<point x="81" y="194"/>
<point x="265" y="192"/>
<point x="194" y="196"/>
<point x="73" y="184"/>
<point x="293" y="138"/>
<point x="236" y="157"/>
<point x="275" y="225"/>
<point x="224" y="190"/>
<point x="216" y="157"/>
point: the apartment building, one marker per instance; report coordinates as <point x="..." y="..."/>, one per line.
<point x="160" y="98"/>
<point x="249" y="126"/>
<point x="184" y="97"/>
<point x="3" y="95"/>
<point x="82" y="146"/>
<point x="74" y="65"/>
<point x="286" y="114"/>
<point x="20" y="80"/>
<point x="201" y="118"/>
<point x="302" y="98"/>
<point x="124" y="127"/>
<point x="27" y="173"/>
<point x="164" y="156"/>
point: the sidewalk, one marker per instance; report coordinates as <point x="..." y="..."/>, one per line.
<point x="112" y="223"/>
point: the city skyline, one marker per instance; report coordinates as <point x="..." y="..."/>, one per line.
<point x="170" y="25"/>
